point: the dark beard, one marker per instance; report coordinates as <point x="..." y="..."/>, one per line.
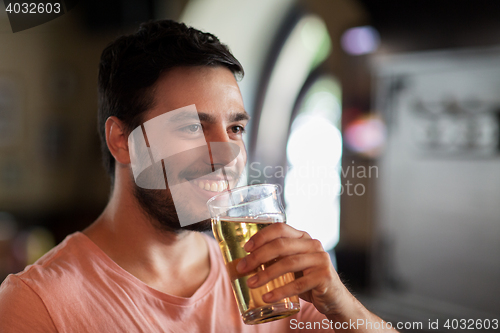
<point x="159" y="206"/>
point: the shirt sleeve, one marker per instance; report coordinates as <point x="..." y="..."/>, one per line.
<point x="21" y="309"/>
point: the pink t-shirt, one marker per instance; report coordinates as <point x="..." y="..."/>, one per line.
<point x="76" y="287"/>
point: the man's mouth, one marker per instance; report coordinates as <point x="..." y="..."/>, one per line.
<point x="211" y="185"/>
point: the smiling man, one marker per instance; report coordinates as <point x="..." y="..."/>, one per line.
<point x="170" y="108"/>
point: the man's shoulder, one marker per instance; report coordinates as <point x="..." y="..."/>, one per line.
<point x="64" y="263"/>
<point x="48" y="286"/>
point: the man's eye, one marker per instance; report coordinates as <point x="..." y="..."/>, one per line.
<point x="238" y="129"/>
<point x="192" y="128"/>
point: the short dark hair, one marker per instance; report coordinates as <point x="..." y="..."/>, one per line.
<point x="131" y="65"/>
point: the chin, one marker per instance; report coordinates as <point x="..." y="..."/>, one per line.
<point x="205" y="225"/>
<point x="159" y="208"/>
<point x="173" y="226"/>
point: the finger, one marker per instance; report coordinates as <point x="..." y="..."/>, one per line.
<point x="290" y="264"/>
<point x="294" y="288"/>
<point x="273" y="231"/>
<point x="278" y="248"/>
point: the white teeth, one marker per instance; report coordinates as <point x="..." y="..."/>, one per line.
<point x="221" y="186"/>
<point x="212" y="186"/>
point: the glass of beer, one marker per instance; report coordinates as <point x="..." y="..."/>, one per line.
<point x="236" y="216"/>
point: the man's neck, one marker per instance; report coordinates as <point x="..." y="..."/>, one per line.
<point x="160" y="259"/>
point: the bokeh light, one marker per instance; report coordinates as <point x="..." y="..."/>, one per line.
<point x="366" y="135"/>
<point x="360" y="40"/>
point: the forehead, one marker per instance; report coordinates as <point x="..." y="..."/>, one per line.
<point x="213" y="90"/>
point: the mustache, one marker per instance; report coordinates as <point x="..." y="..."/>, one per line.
<point x="191" y="164"/>
<point x="199" y="162"/>
<point x="157" y="177"/>
<point x="200" y="171"/>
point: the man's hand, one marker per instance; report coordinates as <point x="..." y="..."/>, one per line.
<point x="297" y="252"/>
<point x="316" y="279"/>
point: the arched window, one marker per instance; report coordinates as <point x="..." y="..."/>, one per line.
<point x="298" y="129"/>
<point x="314" y="151"/>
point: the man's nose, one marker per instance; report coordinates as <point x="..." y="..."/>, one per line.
<point x="217" y="134"/>
<point x="222" y="152"/>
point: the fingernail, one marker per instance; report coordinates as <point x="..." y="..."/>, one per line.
<point x="267" y="297"/>
<point x="248" y="246"/>
<point x="252" y="280"/>
<point x="241" y="265"/>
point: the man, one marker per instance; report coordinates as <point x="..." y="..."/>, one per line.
<point x="136" y="269"/>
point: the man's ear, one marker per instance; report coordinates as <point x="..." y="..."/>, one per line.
<point x="117" y="140"/>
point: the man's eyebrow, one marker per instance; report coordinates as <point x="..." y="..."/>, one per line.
<point x="206" y="117"/>
<point x="238" y="116"/>
<point x="183" y="116"/>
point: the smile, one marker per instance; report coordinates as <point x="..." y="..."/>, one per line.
<point x="211" y="185"/>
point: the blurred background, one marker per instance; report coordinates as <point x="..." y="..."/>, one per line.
<point x="379" y="119"/>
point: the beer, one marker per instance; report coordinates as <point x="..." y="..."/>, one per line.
<point x="232" y="234"/>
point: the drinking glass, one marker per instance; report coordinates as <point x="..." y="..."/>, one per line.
<point x="237" y="215"/>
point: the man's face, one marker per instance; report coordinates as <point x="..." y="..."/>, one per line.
<point x="221" y="118"/>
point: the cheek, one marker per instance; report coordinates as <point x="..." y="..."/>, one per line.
<point x="172" y="144"/>
<point x="243" y="153"/>
<point x="241" y="160"/>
